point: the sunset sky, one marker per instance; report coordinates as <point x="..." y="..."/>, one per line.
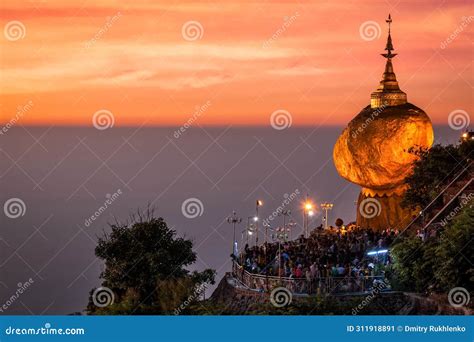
<point x="133" y="58"/>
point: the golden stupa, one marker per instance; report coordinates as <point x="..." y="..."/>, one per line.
<point x="373" y="150"/>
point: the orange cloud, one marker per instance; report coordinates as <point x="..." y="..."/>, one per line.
<point x="250" y="58"/>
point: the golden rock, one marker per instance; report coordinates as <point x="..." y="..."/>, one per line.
<point x="373" y="151"/>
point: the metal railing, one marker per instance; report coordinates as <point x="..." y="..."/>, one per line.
<point x="321" y="285"/>
<point x="439" y="196"/>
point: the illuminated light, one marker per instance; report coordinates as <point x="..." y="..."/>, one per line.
<point x="250" y="233"/>
<point x="259" y="203"/>
<point x="308" y="206"/>
<point x="464" y="135"/>
<point x="255" y="218"/>
<point x="382" y="251"/>
<point x="310" y="213"/>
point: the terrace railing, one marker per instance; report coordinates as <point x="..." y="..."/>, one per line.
<point x="322" y="285"/>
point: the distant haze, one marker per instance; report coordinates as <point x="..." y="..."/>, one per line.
<point x="62" y="180"/>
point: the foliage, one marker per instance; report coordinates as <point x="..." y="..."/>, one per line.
<point x="440" y="263"/>
<point x="433" y="168"/>
<point x="145" y="267"/>
<point x="455" y="252"/>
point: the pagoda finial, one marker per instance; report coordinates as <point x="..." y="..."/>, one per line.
<point x="389" y="47"/>
<point x="388" y="93"/>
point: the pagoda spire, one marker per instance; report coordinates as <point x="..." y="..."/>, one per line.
<point x="388" y="92"/>
<point x="389" y="47"/>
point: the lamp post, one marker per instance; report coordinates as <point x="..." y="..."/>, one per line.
<point x="258" y="204"/>
<point x="307" y="212"/>
<point x="251" y="227"/>
<point x="285" y="214"/>
<point x="326" y="206"/>
<point x="233" y="220"/>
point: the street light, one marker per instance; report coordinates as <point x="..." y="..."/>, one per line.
<point x="281" y="235"/>
<point x="251" y="227"/>
<point x="307" y="211"/>
<point x="234" y="220"/>
<point x="258" y="204"/>
<point x="326" y="206"/>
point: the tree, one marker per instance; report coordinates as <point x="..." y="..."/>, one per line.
<point x="455" y="252"/>
<point x="141" y="260"/>
<point x="440" y="263"/>
<point x="434" y="168"/>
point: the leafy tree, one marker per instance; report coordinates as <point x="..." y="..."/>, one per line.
<point x="455" y="252"/>
<point x="145" y="267"/>
<point x="433" y="169"/>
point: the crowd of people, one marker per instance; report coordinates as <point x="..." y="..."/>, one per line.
<point x="333" y="252"/>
